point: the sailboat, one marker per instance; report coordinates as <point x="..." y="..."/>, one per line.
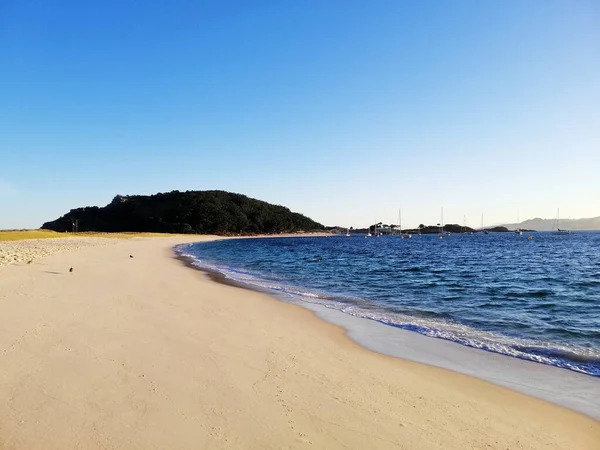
<point x="400" y="223"/>
<point x="485" y="231"/>
<point x="518" y="231"/>
<point x="442" y="229"/>
<point x="558" y="229"/>
<point x="348" y="232"/>
<point x="402" y="235"/>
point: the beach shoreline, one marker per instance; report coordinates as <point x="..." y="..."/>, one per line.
<point x="134" y="350"/>
<point x="556" y="385"/>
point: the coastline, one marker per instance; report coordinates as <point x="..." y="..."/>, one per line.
<point x="556" y="385"/>
<point x="144" y="353"/>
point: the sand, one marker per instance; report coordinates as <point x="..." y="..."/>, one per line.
<point x="30" y="249"/>
<point x="144" y="353"/>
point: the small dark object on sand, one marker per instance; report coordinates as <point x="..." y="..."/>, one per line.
<point x="131" y="256"/>
<point x="71" y="269"/>
<point x="30" y="261"/>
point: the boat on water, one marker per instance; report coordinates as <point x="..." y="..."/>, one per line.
<point x="464" y="229"/>
<point x="369" y="230"/>
<point x="482" y="229"/>
<point x="402" y="235"/>
<point x="348" y="232"/>
<point x="518" y="231"/>
<point x="441" y="225"/>
<point x="558" y="229"/>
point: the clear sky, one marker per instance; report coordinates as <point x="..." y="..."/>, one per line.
<point x="342" y="110"/>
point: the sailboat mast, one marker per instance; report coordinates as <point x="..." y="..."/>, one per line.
<point x="442" y="219"/>
<point x="400" y="219"/>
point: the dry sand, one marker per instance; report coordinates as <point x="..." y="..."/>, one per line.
<point x="144" y="353"/>
<point x="30" y="249"/>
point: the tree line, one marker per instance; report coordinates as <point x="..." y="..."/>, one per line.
<point x="199" y="212"/>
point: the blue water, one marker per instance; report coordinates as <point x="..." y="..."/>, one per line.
<point x="533" y="299"/>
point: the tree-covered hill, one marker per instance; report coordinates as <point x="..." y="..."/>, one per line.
<point x="202" y="212"/>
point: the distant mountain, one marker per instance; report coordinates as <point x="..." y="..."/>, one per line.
<point x="201" y="212"/>
<point x="539" y="224"/>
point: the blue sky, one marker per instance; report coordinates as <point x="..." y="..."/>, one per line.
<point x="342" y="110"/>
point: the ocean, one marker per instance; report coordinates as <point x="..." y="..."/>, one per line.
<point x="536" y="300"/>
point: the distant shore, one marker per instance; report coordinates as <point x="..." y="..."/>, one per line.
<point x="134" y="350"/>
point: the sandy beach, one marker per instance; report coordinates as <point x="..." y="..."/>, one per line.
<point x="142" y="352"/>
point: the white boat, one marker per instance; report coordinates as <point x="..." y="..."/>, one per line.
<point x="447" y="233"/>
<point x="402" y="235"/>
<point x="558" y="229"/>
<point x="518" y="230"/>
<point x="348" y="232"/>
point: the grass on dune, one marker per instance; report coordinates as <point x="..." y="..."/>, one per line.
<point x="19" y="235"/>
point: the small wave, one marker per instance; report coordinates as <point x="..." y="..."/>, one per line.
<point x="531" y="294"/>
<point x="589" y="283"/>
<point x="571" y="333"/>
<point x="489" y="305"/>
<point x="457" y="288"/>
<point x="562" y="354"/>
<point x="586" y="364"/>
<point x="542" y="306"/>
<point x="585" y="300"/>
